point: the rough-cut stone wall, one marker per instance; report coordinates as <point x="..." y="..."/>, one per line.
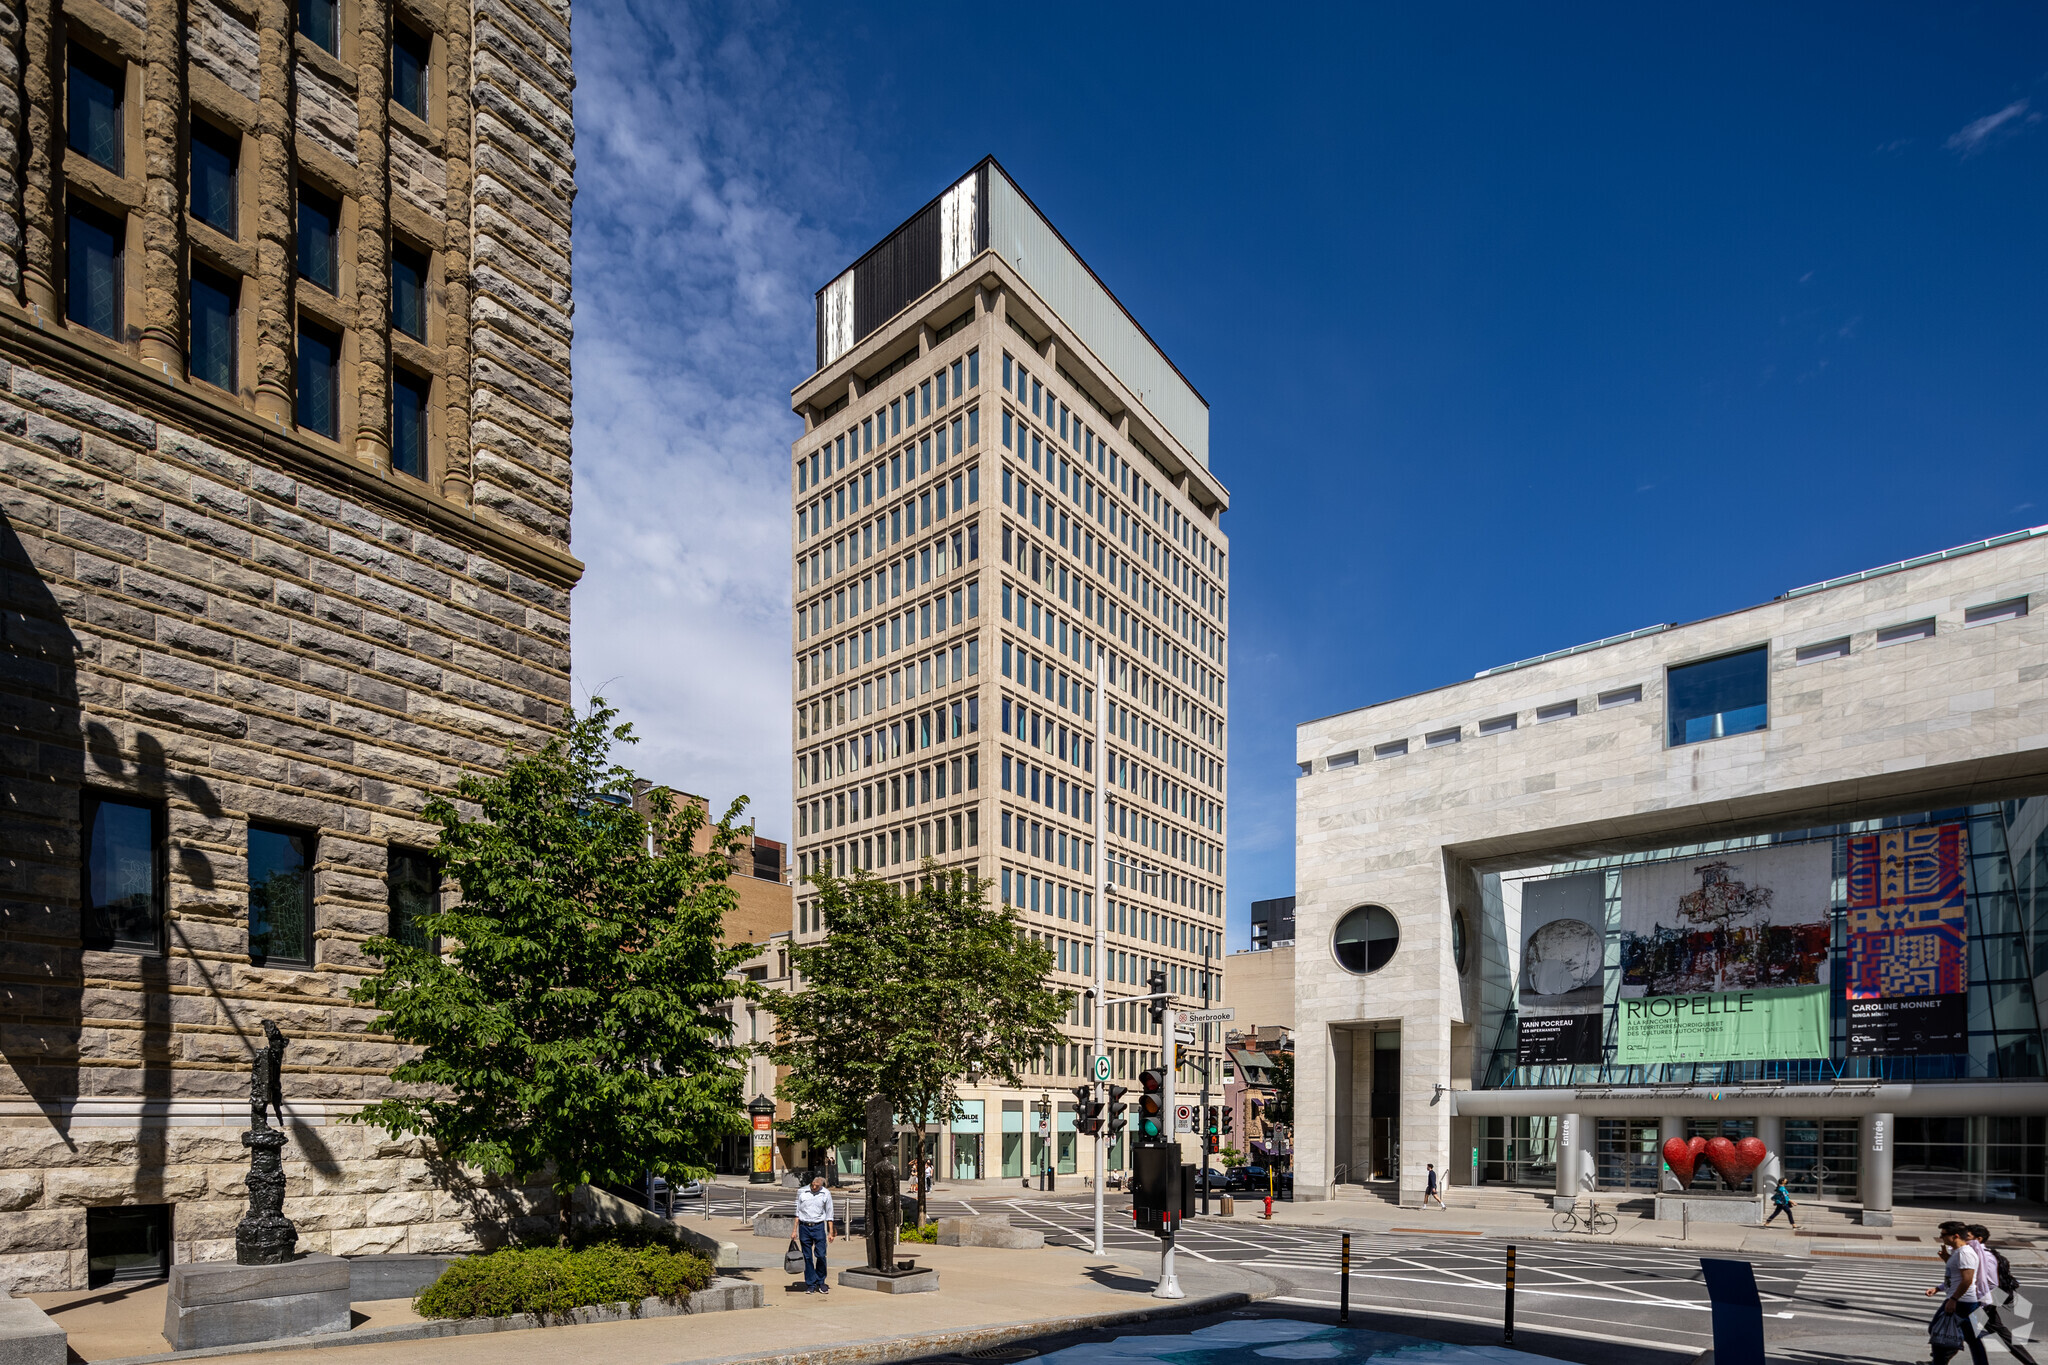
<point x="206" y="611"/>
<point x="524" y="151"/>
<point x="223" y="44"/>
<point x="11" y="145"/>
<point x="203" y="628"/>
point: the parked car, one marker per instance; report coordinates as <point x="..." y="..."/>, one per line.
<point x="1217" y="1180"/>
<point x="1253" y="1181"/>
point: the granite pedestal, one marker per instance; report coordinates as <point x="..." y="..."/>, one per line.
<point x="219" y="1303"/>
<point x="988" y="1230"/>
<point x="1711" y="1208"/>
<point x="923" y="1280"/>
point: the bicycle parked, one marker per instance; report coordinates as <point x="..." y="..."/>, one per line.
<point x="1594" y="1220"/>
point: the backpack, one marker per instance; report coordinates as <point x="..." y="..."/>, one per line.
<point x="2007" y="1281"/>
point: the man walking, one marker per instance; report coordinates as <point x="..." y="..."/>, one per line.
<point x="1994" y="1275"/>
<point x="814" y="1232"/>
<point x="1429" y="1190"/>
<point x="1959" y="1289"/>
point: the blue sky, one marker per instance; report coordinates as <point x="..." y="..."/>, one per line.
<point x="1519" y="329"/>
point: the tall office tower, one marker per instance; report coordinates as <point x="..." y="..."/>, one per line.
<point x="284" y="468"/>
<point x="1006" y="539"/>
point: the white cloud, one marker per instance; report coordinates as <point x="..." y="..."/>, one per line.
<point x="1972" y="137"/>
<point x="705" y="145"/>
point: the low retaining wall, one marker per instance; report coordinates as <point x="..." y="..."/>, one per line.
<point x="28" y="1337"/>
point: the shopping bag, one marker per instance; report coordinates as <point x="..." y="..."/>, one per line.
<point x="793" y="1260"/>
<point x="1945" y="1328"/>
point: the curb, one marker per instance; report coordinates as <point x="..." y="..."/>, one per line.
<point x="724" y="1294"/>
<point x="885" y="1350"/>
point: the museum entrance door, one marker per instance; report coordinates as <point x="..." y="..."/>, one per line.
<point x="1519" y="1151"/>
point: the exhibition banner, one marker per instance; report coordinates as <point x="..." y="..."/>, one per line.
<point x="1932" y="1025"/>
<point x="1909" y="942"/>
<point x="1564" y="925"/>
<point x="1558" y="1040"/>
<point x="1564" y="922"/>
<point x="1744" y="920"/>
<point x="1730" y="1026"/>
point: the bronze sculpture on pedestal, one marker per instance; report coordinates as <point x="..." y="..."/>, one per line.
<point x="265" y="1236"/>
<point x="884" y="1192"/>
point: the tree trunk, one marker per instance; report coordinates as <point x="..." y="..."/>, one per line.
<point x="920" y="1174"/>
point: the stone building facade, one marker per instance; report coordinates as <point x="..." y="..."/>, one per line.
<point x="284" y="461"/>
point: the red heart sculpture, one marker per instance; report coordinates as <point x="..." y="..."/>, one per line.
<point x="1680" y="1154"/>
<point x="1736" y="1161"/>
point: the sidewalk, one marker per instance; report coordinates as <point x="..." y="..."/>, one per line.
<point x="986" y="1297"/>
<point x="1824" y="1230"/>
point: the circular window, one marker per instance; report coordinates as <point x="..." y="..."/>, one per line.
<point x="1458" y="939"/>
<point x="1365" y="939"/>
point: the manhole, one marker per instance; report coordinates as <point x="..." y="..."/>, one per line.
<point x="1000" y="1353"/>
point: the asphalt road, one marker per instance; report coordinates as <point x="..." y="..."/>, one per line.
<point x="1587" y="1299"/>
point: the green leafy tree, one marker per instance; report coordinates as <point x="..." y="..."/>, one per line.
<point x="909" y="994"/>
<point x="1231" y="1158"/>
<point x="1280" y="1106"/>
<point x="574" y="1025"/>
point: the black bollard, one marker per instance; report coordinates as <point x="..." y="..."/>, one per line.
<point x="1344" y="1285"/>
<point x="1508" y="1319"/>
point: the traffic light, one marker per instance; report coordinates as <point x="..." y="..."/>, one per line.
<point x="1227" y="1112"/>
<point x="1152" y="1106"/>
<point x="1117" y="1109"/>
<point x="1155" y="986"/>
<point x="1087" y="1110"/>
<point x="1212" y="1143"/>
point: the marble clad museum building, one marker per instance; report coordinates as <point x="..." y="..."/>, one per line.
<point x="284" y="468"/>
<point x="1780" y="873"/>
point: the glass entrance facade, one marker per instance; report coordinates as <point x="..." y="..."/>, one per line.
<point x="1975" y="1160"/>
<point x="1628" y="1154"/>
<point x="1821" y="1157"/>
<point x="1519" y="1151"/>
<point x="1013" y="1138"/>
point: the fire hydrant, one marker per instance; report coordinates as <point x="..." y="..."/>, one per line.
<point x="1269" y="1206"/>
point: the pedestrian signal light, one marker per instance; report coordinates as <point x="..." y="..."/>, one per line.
<point x="1152" y="1105"/>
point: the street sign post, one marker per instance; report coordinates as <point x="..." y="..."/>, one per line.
<point x="1102" y="1067"/>
<point x="1185" y="1034"/>
<point x="1183" y="1118"/>
<point x="1223" y="1014"/>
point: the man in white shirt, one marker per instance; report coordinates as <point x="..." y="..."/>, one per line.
<point x="814" y="1232"/>
<point x="1959" y="1289"/>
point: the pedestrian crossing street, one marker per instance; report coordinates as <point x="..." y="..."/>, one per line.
<point x="1894" y="1295"/>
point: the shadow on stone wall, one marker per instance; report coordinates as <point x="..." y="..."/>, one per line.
<point x="41" y="977"/>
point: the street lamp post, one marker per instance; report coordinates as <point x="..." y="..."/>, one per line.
<point x="1045" y="1125"/>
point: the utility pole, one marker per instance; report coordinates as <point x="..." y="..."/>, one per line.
<point x="1204" y="1110"/>
<point x="1101" y="1072"/>
<point x="1169" y="1283"/>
